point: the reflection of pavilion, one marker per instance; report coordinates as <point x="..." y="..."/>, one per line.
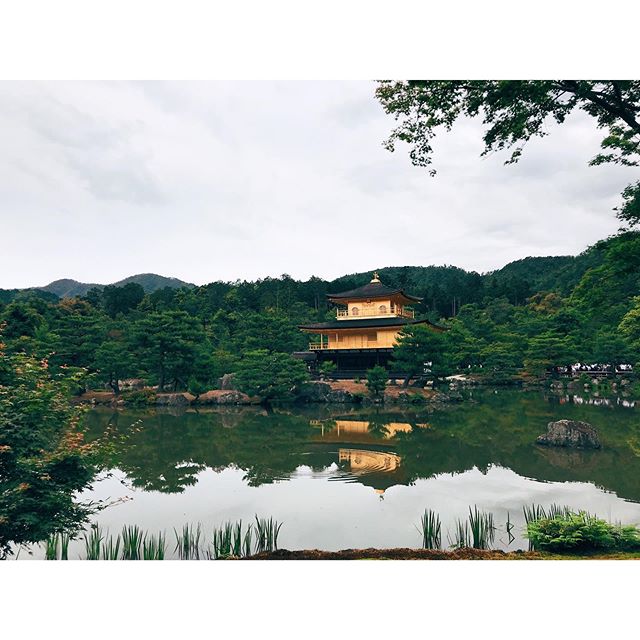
<point x="342" y="430"/>
<point x="377" y="469"/>
<point x="365" y="461"/>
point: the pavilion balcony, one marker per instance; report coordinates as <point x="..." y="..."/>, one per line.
<point x="342" y="314"/>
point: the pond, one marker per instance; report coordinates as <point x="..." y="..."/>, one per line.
<point x="351" y="477"/>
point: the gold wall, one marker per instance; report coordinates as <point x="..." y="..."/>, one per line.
<point x="361" y="338"/>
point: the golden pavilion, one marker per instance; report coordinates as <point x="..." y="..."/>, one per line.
<point x="364" y="332"/>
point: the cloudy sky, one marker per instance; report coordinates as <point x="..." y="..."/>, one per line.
<point x="223" y="181"/>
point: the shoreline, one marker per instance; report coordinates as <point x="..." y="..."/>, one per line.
<point x="433" y="554"/>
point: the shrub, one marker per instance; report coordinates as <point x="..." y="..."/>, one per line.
<point x="581" y="531"/>
<point x="377" y="381"/>
<point x="139" y="397"/>
<point x="327" y="368"/>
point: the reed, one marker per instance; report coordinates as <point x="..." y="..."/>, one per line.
<point x="247" y="541"/>
<point x="267" y="534"/>
<point x="111" y="548"/>
<point x="482" y="528"/>
<point x="132" y="538"/>
<point x="188" y="542"/>
<point x="462" y="535"/>
<point x="557" y="511"/>
<point x="153" y="547"/>
<point x="65" y="539"/>
<point x="533" y="512"/>
<point x="51" y="547"/>
<point x="510" y="529"/>
<point x="431" y="528"/>
<point x="93" y="543"/>
<point x="222" y="541"/>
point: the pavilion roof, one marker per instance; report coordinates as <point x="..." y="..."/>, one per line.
<point x="364" y="323"/>
<point x="371" y="290"/>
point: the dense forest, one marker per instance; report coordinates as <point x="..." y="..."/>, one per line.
<point x="532" y="314"/>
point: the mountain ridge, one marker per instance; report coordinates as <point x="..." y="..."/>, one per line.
<point x="150" y="282"/>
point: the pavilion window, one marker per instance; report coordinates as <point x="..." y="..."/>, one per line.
<point x="383" y="308"/>
<point x="355" y="311"/>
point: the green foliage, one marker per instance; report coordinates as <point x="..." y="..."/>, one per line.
<point x="481" y="528"/>
<point x="431" y="527"/>
<point x="566" y="532"/>
<point x="377" y="381"/>
<point x="513" y="112"/>
<point x="267" y="534"/>
<point x="168" y="344"/>
<point x="132" y="541"/>
<point x="121" y="299"/>
<point x="327" y="368"/>
<point x="188" y="542"/>
<point x="421" y="350"/>
<point x="196" y="387"/>
<point x="44" y="459"/>
<point x="153" y="547"/>
<point x="140" y="397"/>
<point x="270" y="376"/>
<point x="93" y="543"/>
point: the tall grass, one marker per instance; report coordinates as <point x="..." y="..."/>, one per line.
<point x="153" y="547"/>
<point x="482" y="528"/>
<point x="188" y="542"/>
<point x="222" y="543"/>
<point x="267" y="534"/>
<point x="111" y="548"/>
<point x="461" y="535"/>
<point x="93" y="543"/>
<point x="132" y="538"/>
<point x="51" y="547"/>
<point x="230" y="541"/>
<point x="65" y="539"/>
<point x="430" y="527"/>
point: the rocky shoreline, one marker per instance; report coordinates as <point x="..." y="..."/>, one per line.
<point x="315" y="392"/>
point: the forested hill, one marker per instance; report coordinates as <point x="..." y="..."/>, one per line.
<point x="534" y="313"/>
<point x="150" y="282"/>
<point x="444" y="289"/>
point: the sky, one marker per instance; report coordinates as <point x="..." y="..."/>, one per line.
<point x="208" y="181"/>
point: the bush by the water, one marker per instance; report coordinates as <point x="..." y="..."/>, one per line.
<point x="573" y="532"/>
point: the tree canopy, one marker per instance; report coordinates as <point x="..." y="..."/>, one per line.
<point x="513" y="112"/>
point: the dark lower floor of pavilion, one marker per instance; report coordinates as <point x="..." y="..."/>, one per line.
<point x="350" y="363"/>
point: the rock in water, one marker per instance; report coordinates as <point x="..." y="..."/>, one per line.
<point x="570" y="433"/>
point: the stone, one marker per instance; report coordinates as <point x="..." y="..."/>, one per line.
<point x="172" y="399"/>
<point x="227" y="382"/>
<point x="233" y="397"/>
<point x="314" y="392"/>
<point x="570" y="433"/>
<point x="339" y="396"/>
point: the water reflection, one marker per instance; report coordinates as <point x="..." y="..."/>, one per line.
<point x="171" y="450"/>
<point x="322" y="470"/>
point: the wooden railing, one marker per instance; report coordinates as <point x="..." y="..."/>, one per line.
<point x="368" y="313"/>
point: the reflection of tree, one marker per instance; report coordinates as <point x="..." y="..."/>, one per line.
<point x="378" y="427"/>
<point x="499" y="429"/>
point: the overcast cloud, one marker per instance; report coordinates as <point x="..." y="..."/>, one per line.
<point x="223" y="181"/>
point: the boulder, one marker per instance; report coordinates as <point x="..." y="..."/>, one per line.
<point x="233" y="397"/>
<point x="218" y="396"/>
<point x="339" y="396"/>
<point x="314" y="392"/>
<point x="172" y="399"/>
<point x="227" y="382"/>
<point x="570" y="433"/>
